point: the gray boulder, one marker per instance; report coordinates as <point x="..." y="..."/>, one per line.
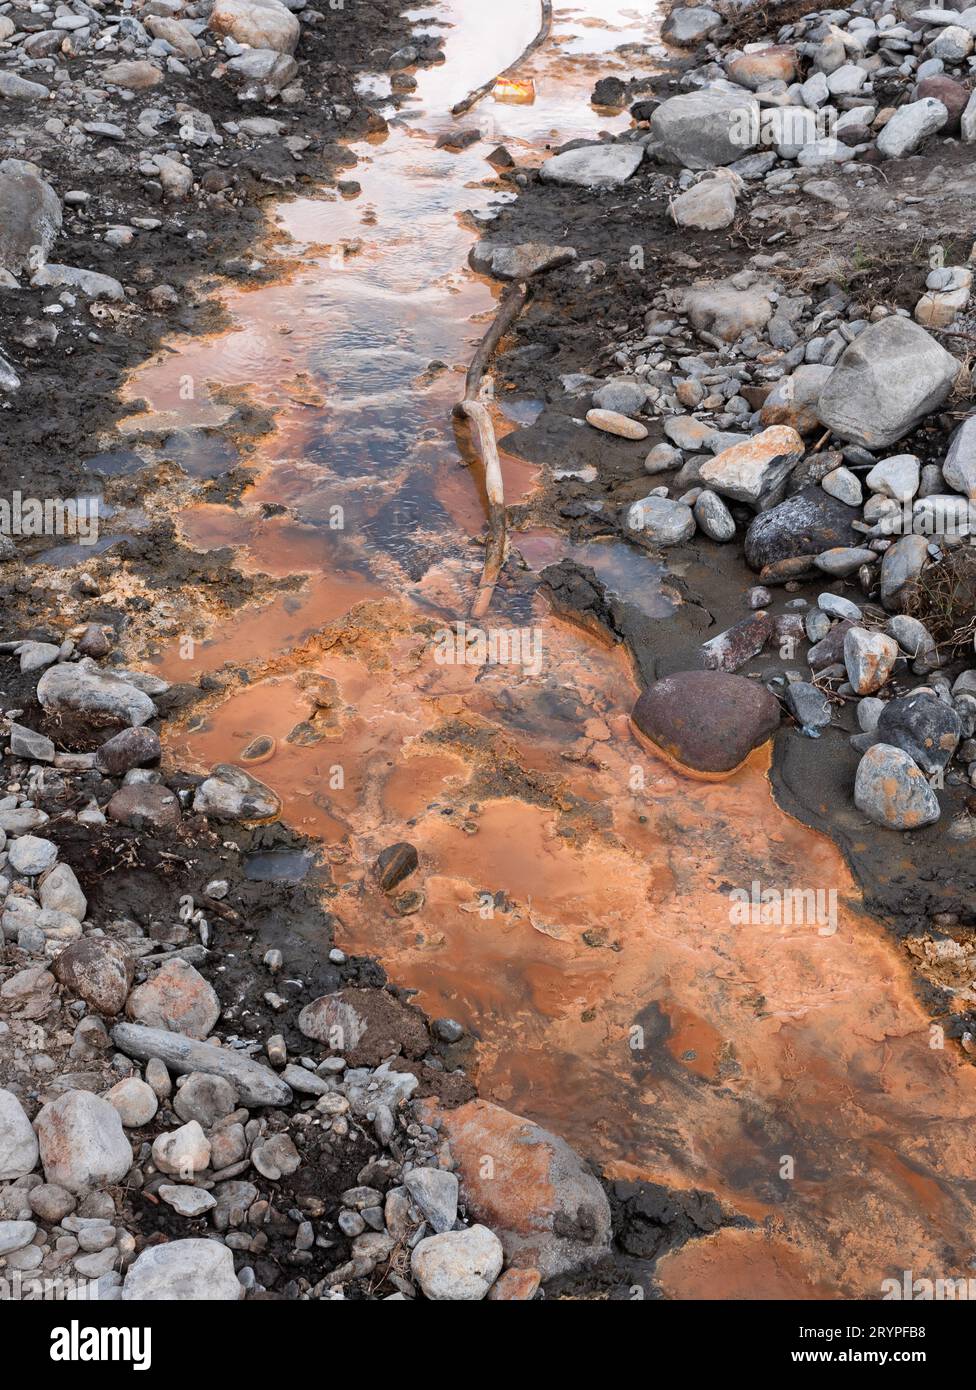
<point x="30" y="216"/>
<point x="885" y="383"/>
<point x="891" y="790"/>
<point x="959" y="468"/>
<point x="910" y="125"/>
<point x="100" y="696"/>
<point x="924" y="726"/>
<point x="660" y="521"/>
<point x="18" y="1142"/>
<point x="593" y="166"/>
<point x="687" y="28"/>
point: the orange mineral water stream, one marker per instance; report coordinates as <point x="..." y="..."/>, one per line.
<point x="576" y="914"/>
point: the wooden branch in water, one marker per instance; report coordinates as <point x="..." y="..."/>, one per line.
<point x="474" y="97"/>
<point x="473" y="408"/>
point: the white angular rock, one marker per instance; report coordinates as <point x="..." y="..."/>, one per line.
<point x="708" y="206"/>
<point x="81" y="1142"/>
<point x="910" y="125"/>
<point x="83" y="688"/>
<point x="749" y="472"/>
<point x="885" y="383"/>
<point x="458" y="1265"/>
<point x="868" y="657"/>
<point x="18" y="1142"/>
<point x="183" y="1271"/>
<point x="704" y="129"/>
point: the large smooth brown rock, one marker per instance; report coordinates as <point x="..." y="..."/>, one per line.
<point x="528" y="1186"/>
<point x="708" y="721"/>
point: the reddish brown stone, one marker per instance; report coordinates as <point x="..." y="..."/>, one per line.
<point x="528" y="1186"/>
<point x="709" y="721"/>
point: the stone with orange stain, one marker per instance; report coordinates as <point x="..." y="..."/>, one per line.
<point x="176" y="998"/>
<point x="777" y="63"/>
<point x="528" y="1186"/>
<point x="869" y="658"/>
<point x="751" y="471"/>
<point x="892" y="790"/>
<point x="515" y="1286"/>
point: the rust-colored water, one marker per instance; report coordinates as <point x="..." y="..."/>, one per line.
<point x="576" y="911"/>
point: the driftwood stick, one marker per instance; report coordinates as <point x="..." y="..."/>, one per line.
<point x="473" y="97"/>
<point x="473" y="408"/>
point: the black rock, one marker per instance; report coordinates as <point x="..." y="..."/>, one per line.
<point x="923" y="726"/>
<point x="396" y="863"/>
<point x="807" y="523"/>
<point x="128" y="749"/>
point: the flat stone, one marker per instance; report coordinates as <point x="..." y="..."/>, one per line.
<point x="750" y="472"/>
<point x="185" y="1271"/>
<point x="593" y="166"/>
<point x="186" y="1201"/>
<point x="91" y="283"/>
<point x="730" y="650"/>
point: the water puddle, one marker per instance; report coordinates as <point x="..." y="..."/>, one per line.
<point x="576" y="910"/>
